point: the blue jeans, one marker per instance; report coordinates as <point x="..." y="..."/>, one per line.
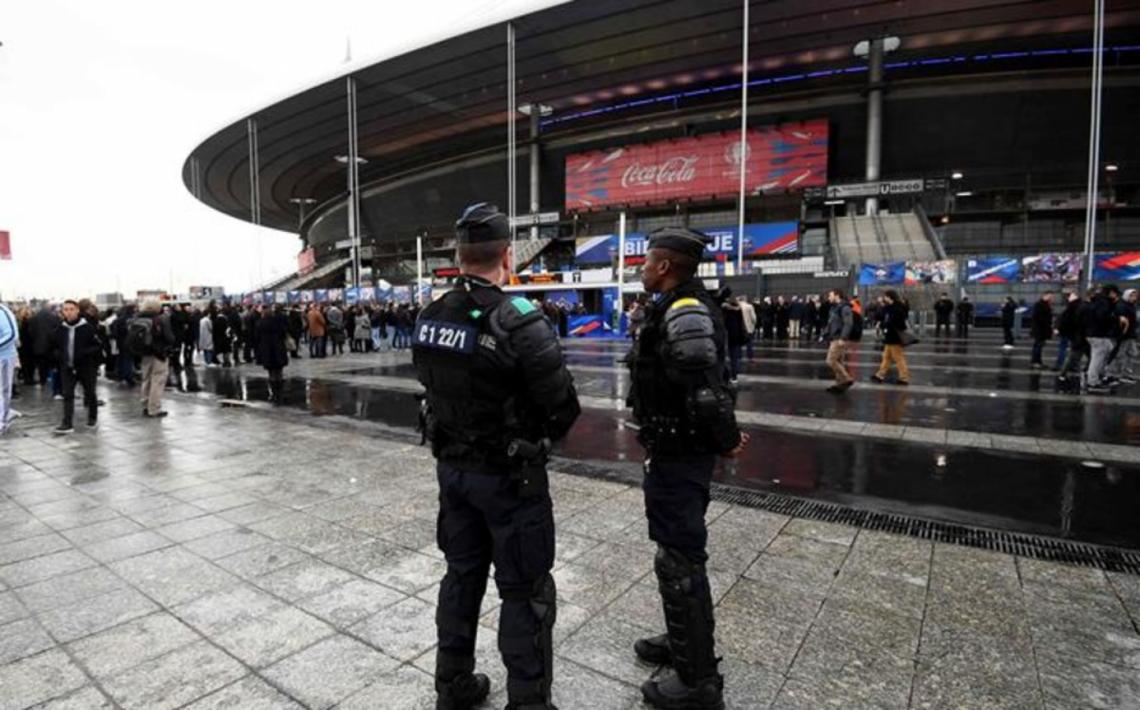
<point x="126" y="363"/>
<point x="1062" y="351"/>
<point x="734" y="359"/>
<point x="1038" y="346"/>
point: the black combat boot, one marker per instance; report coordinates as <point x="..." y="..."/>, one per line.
<point x="654" y="650"/>
<point x="457" y="686"/>
<point x="696" y="683"/>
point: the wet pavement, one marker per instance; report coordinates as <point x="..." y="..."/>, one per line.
<point x="260" y="557"/>
<point x="991" y="447"/>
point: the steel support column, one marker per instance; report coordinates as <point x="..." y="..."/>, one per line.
<point x="535" y="115"/>
<point x="512" y="138"/>
<point x="874" y="118"/>
<point x="353" y="176"/>
<point x="743" y="143"/>
<point x="1093" y="187"/>
<point x="255" y="192"/>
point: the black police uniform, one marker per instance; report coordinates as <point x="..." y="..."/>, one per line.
<point x="684" y="409"/>
<point x="497" y="392"/>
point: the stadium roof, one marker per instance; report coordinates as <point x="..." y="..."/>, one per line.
<point x="448" y="99"/>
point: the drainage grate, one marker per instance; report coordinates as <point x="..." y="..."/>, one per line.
<point x="1036" y="547"/>
<point x="1109" y="559"/>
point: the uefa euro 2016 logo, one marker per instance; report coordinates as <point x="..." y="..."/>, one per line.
<point x="732" y="153"/>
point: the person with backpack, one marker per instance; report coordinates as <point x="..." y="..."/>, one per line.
<point x="893" y="324"/>
<point x="150" y="337"/>
<point x="840" y="332"/>
<point x="78" y="351"/>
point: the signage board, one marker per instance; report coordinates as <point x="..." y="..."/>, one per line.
<point x="785" y="157"/>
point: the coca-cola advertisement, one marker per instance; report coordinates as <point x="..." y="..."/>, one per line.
<point x="786" y="157"/>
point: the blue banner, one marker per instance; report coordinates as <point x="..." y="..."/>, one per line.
<point x="994" y="270"/>
<point x="352" y="295"/>
<point x="882" y="274"/>
<point x="760" y="239"/>
<point x="586" y="326"/>
<point x="1117" y="267"/>
<point x="294" y="297"/>
<point x="321" y="295"/>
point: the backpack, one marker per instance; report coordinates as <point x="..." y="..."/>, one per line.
<point x="856" y="326"/>
<point x="140" y="336"/>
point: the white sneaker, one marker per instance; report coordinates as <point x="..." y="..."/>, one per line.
<point x="1007" y="347"/>
<point x="58" y="397"/>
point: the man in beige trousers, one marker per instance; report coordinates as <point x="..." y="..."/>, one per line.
<point x="155" y="351"/>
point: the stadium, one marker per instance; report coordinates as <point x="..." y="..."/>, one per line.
<point x="950" y="137"/>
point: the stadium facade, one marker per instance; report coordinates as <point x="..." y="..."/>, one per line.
<point x="950" y="135"/>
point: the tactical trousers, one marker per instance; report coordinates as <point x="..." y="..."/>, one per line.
<point x="482" y="519"/>
<point x="676" y="497"/>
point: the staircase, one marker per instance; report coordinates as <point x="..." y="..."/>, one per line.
<point x="298" y="281"/>
<point x="527" y="250"/>
<point x="881" y="239"/>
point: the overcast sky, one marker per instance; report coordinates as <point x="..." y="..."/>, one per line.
<point x="101" y="102"/>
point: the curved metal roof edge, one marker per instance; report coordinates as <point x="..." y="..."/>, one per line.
<point x="484" y="20"/>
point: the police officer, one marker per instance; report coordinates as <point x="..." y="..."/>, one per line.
<point x="684" y="411"/>
<point x="498" y="393"/>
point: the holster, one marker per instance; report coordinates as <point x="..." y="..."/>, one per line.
<point x="529" y="473"/>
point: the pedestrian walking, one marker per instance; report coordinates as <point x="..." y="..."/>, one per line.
<point x="965" y="317"/>
<point x="1008" y="316"/>
<point x="1041" y="327"/>
<point x="273" y="351"/>
<point x="893" y="324"/>
<point x="151" y="338"/>
<point x="78" y="352"/>
<point x="840" y="332"/>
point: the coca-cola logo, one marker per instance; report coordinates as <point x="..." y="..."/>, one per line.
<point x="673" y="170"/>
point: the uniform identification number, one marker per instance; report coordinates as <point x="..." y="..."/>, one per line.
<point x="445" y="336"/>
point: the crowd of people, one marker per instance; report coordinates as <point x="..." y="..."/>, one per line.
<point x="156" y="345"/>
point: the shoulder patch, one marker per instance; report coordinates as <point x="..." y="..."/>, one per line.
<point x="684" y="303"/>
<point x="523" y="306"/>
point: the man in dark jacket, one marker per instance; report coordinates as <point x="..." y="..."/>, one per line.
<point x="1102" y="327"/>
<point x="840" y="324"/>
<point x="272" y="328"/>
<point x="238" y="319"/>
<point x="78" y="351"/>
<point x="1008" y="317"/>
<point x="893" y="323"/>
<point x="965" y="317"/>
<point x="1041" y="327"/>
<point x="41" y="331"/>
<point x="155" y="364"/>
<point x="1067" y="328"/>
<point x="943" y="307"/>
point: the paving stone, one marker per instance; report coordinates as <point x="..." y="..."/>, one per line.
<point x="86" y="698"/>
<point x="304" y="579"/>
<point x="19" y="574"/>
<point x="173" y="576"/>
<point x="593" y="589"/>
<point x="1054" y="574"/>
<point x="845" y="636"/>
<point x="252" y="513"/>
<point x="962" y="668"/>
<point x="174" y="679"/>
<point x="219" y="612"/>
<point x="97" y="532"/>
<point x="37" y="679"/>
<point x="30" y="547"/>
<point x="250" y="693"/>
<point x="121" y="548"/>
<point x="606" y="646"/>
<point x="269" y="638"/>
<point x="772" y="644"/>
<point x="409" y="572"/>
<point x="167" y="515"/>
<point x="91" y="616"/>
<point x="261" y="560"/>
<point x="21" y="639"/>
<point x="194" y="528"/>
<point x="833" y="533"/>
<point x="403" y="630"/>
<point x="225" y="542"/>
<point x="69" y="588"/>
<point x="415" y="534"/>
<point x="344" y="605"/>
<point x="1075" y="682"/>
<point x="847" y="687"/>
<point x="406" y="688"/>
<point x="10" y="608"/>
<point x="747" y="687"/>
<point x="329" y="671"/>
<point x="115" y="650"/>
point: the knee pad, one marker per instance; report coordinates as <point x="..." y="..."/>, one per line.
<point x="674" y="569"/>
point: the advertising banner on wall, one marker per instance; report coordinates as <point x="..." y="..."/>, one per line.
<point x="1117" y="267"/>
<point x="307" y="296"/>
<point x="321" y="295"/>
<point x="785" y="157"/>
<point x="1051" y="268"/>
<point x="402" y="294"/>
<point x="882" y="274"/>
<point x="994" y="270"/>
<point x="294" y="297"/>
<point x="761" y="239"/>
<point x="931" y="272"/>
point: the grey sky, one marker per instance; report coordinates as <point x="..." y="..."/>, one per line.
<point x="101" y="102"/>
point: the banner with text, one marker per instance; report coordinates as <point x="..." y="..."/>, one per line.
<point x="994" y="270"/>
<point x="785" y="157"/>
<point x="760" y="240"/>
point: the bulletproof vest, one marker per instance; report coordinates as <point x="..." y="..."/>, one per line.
<point x="467" y="371"/>
<point x="655" y="399"/>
